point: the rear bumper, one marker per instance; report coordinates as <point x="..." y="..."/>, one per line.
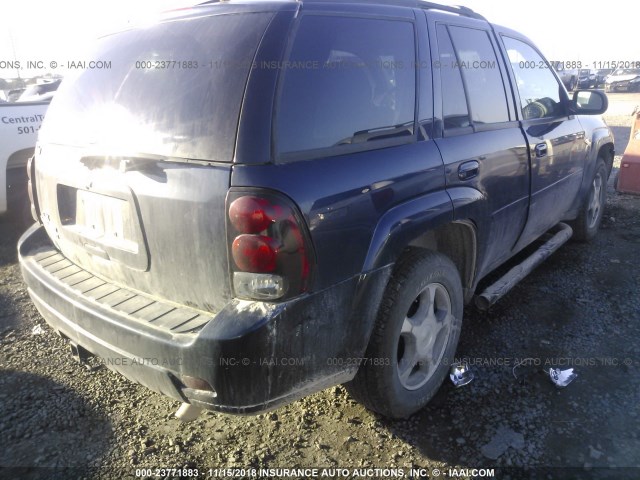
<point x="256" y="356"/>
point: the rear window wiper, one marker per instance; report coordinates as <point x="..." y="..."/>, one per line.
<point x="379" y="133"/>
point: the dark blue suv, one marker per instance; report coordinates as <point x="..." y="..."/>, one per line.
<point x="258" y="200"/>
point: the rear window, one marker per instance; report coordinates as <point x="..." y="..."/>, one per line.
<point x="347" y="81"/>
<point x="172" y="89"/>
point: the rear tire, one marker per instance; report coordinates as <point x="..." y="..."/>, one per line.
<point x="414" y="338"/>
<point x="588" y="222"/>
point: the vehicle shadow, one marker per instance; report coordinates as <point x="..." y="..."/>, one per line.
<point x="508" y="415"/>
<point x="48" y="430"/>
<point x="460" y="425"/>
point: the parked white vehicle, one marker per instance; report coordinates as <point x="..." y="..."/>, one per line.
<point x="40" y="92"/>
<point x="19" y="126"/>
<point x="623" y="79"/>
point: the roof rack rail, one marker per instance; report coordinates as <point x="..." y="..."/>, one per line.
<point x="424" y="4"/>
<point x="459" y="9"/>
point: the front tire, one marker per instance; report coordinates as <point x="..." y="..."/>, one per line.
<point x="588" y="222"/>
<point x="415" y="336"/>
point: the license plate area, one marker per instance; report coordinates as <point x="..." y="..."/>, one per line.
<point x="102" y="218"/>
<point x="103" y="224"/>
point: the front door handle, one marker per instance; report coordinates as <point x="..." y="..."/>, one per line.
<point x="541" y="150"/>
<point x="468" y="170"/>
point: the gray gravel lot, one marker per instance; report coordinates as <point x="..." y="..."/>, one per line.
<point x="581" y="308"/>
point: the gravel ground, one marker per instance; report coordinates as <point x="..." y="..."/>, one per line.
<point x="580" y="309"/>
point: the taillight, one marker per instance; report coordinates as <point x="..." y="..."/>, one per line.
<point x="254" y="253"/>
<point x="270" y="249"/>
<point x="250" y="214"/>
<point x="31" y="188"/>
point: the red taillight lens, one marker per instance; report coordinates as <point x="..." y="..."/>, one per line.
<point x="254" y="253"/>
<point x="250" y="215"/>
<point x="269" y="244"/>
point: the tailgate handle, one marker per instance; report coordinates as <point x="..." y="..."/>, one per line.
<point x="468" y="170"/>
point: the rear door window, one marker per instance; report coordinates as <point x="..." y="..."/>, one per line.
<point x="479" y="66"/>
<point x="346" y="81"/>
<point x="454" y="101"/>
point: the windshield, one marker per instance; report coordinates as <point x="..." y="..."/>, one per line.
<point x="173" y="89"/>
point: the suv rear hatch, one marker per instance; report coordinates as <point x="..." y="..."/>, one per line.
<point x="133" y="162"/>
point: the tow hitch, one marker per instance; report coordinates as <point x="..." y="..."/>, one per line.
<point x="79" y="354"/>
<point x="82" y="356"/>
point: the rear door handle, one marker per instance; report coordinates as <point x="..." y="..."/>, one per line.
<point x="541" y="150"/>
<point x="468" y="170"/>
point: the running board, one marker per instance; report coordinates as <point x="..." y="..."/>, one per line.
<point x="498" y="289"/>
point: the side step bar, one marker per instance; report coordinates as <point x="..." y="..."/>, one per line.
<point x="498" y="289"/>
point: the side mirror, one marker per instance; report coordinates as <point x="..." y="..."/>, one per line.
<point x="589" y="102"/>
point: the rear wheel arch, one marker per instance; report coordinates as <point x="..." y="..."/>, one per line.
<point x="586" y="224"/>
<point x="606" y="152"/>
<point x="19" y="158"/>
<point x="18" y="204"/>
<point x="457" y="241"/>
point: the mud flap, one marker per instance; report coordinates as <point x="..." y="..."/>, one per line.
<point x="629" y="176"/>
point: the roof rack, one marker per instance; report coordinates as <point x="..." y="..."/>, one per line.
<point x="426" y="5"/>
<point x="458" y="9"/>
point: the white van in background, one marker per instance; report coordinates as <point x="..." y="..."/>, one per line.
<point x="19" y="126"/>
